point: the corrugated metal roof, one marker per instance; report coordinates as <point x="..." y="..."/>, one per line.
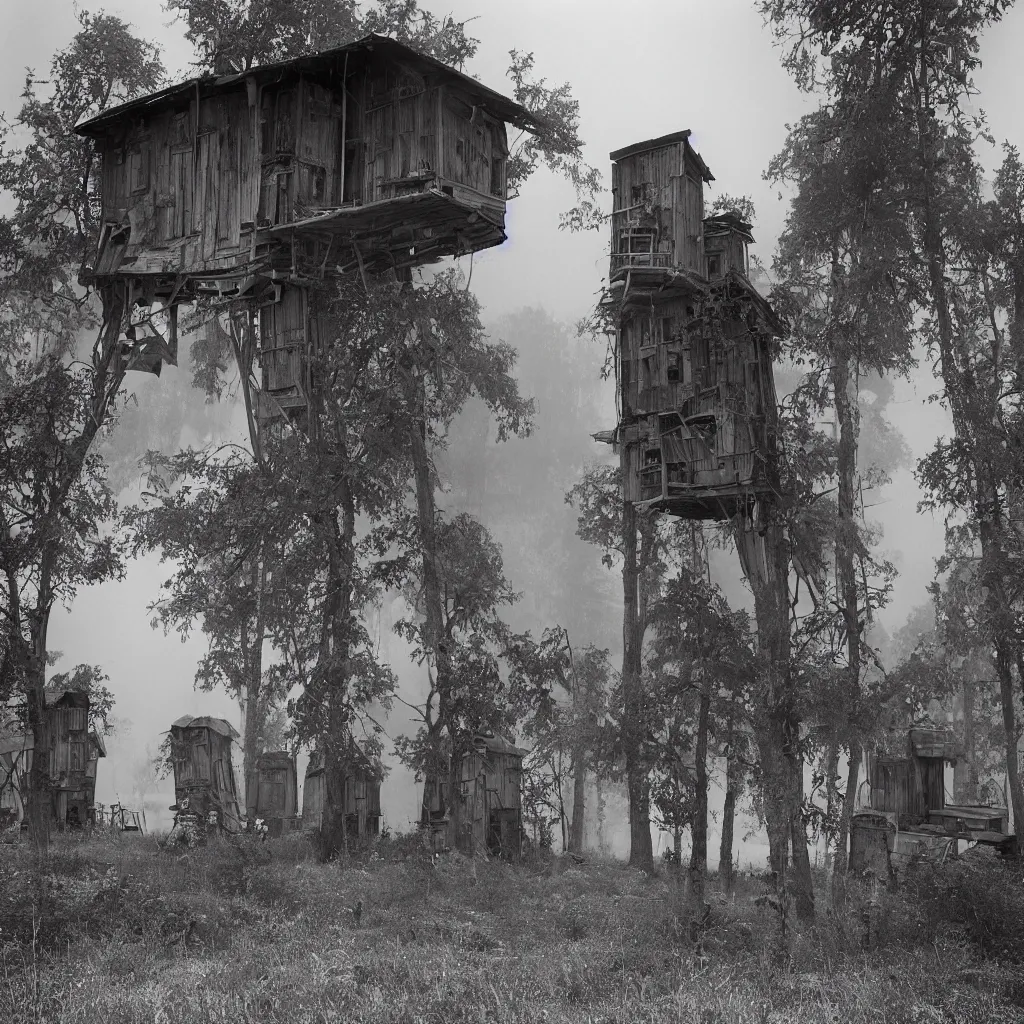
<point x="499" y="105"/>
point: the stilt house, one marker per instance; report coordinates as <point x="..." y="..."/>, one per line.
<point x="366" y="158"/>
<point x="275" y="793"/>
<point x="362" y="795"/>
<point x="203" y="772"/>
<point x="75" y="749"/>
<point x="695" y="389"/>
<point x="491" y="795"/>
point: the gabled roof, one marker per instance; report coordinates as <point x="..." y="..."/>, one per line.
<point x="56" y="692"/>
<point x="218" y="725"/>
<point x="660" y="143"/>
<point x="324" y="61"/>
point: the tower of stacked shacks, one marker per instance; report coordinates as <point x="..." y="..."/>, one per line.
<point x="695" y="391"/>
<point x="249" y="191"/>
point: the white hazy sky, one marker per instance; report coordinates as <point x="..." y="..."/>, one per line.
<point x="639" y="68"/>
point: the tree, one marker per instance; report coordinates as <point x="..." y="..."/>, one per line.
<point x="230" y="535"/>
<point x="569" y="691"/>
<point x="844" y="240"/>
<point x="963" y="280"/>
<point x="53" y="499"/>
<point x="614" y="526"/>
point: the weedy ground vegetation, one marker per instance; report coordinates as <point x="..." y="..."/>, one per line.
<point x="239" y="931"/>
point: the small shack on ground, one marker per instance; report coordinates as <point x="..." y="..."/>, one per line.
<point x="274" y="795"/>
<point x="362" y="794"/>
<point x="75" y="749"/>
<point x="906" y="803"/>
<point x="203" y="773"/>
<point x="491" y="793"/>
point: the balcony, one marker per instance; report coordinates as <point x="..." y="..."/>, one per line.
<point x="631" y="260"/>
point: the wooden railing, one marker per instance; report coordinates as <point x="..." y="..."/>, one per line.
<point x="627" y="260"/>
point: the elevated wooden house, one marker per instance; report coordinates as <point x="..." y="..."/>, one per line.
<point x="491" y="795"/>
<point x="203" y="772"/>
<point x="361" y="800"/>
<point x="75" y="747"/>
<point x="695" y="388"/>
<point x="274" y="793"/>
<point x="369" y="157"/>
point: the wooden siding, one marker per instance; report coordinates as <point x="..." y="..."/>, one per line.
<point x="491" y="792"/>
<point x="361" y="801"/>
<point x="283" y="347"/>
<point x="660" y="193"/>
<point x="275" y="793"/>
<point x="204" y="773"/>
<point x="909" y="786"/>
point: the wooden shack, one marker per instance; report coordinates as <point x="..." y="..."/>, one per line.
<point x="75" y="749"/>
<point x="362" y="795"/>
<point x="369" y="157"/>
<point x="203" y="772"/>
<point x="695" y="388"/>
<point x="491" y="783"/>
<point x="274" y="793"/>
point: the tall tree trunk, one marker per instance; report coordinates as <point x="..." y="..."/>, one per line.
<point x="435" y="640"/>
<point x="845" y="391"/>
<point x="602" y="841"/>
<point x="699" y="827"/>
<point x="732" y="784"/>
<point x="803" y="884"/>
<point x="965" y="771"/>
<point x="579" y="797"/>
<point x="831" y="764"/>
<point x="335" y="659"/>
<point x="255" y="698"/>
<point x="641" y="849"/>
<point x="765" y="563"/>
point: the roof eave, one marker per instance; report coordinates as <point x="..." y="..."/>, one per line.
<point x="507" y="109"/>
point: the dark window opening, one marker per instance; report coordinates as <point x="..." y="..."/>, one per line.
<point x="666" y="329"/>
<point x="648" y="372"/>
<point x="674" y="368"/>
<point x="650" y="474"/>
<point x="677" y="473"/>
<point x="705" y="427"/>
<point x="714" y="266"/>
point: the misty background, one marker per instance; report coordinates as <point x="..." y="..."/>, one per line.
<point x="639" y="70"/>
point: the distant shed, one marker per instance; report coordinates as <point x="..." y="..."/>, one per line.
<point x="491" y="793"/>
<point x="362" y="795"/>
<point x="203" y="774"/>
<point x="276" y="798"/>
<point x="75" y="749"/>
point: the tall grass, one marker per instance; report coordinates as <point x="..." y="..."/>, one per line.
<point x="238" y="933"/>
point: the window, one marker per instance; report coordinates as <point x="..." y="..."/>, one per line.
<point x="138" y="169"/>
<point x="666" y="329"/>
<point x="674" y="368"/>
<point x="648" y="373"/>
<point x="714" y="266"/>
<point x="677" y="473"/>
<point x="650" y="474"/>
